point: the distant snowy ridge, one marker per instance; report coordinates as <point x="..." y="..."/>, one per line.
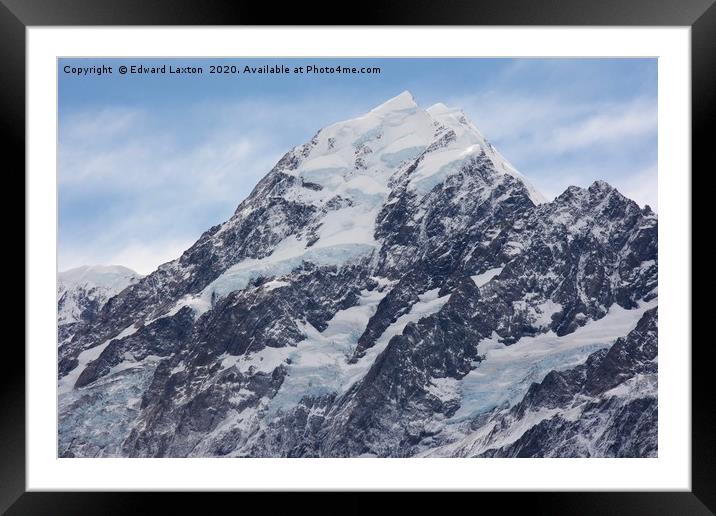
<point x="89" y="286"/>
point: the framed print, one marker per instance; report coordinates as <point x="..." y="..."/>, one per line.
<point x="406" y="257"/>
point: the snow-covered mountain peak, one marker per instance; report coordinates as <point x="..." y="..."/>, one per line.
<point x="444" y="113"/>
<point x="365" y="152"/>
<point x="404" y="100"/>
<point x="322" y="200"/>
<point x="600" y="186"/>
<point x="377" y="141"/>
<point x="351" y="163"/>
<point x="437" y="108"/>
<point x="469" y="138"/>
<point x="598" y="192"/>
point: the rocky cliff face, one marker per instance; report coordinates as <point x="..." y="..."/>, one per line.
<point x="393" y="287"/>
<point x="604" y="407"/>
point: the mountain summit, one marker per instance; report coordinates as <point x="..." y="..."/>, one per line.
<point x="389" y="288"/>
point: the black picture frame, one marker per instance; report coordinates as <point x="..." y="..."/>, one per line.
<point x="17" y="15"/>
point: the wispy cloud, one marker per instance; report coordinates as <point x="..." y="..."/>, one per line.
<point x="547" y="126"/>
<point x="156" y="192"/>
<point x="107" y="122"/>
<point x="611" y="123"/>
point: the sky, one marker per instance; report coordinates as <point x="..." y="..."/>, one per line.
<point x="147" y="162"/>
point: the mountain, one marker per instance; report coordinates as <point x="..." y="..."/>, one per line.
<point x="82" y="291"/>
<point x="392" y="287"/>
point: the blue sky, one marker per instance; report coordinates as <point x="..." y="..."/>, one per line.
<point x="148" y="162"/>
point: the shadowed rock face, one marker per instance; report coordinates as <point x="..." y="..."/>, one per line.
<point x="347" y="306"/>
